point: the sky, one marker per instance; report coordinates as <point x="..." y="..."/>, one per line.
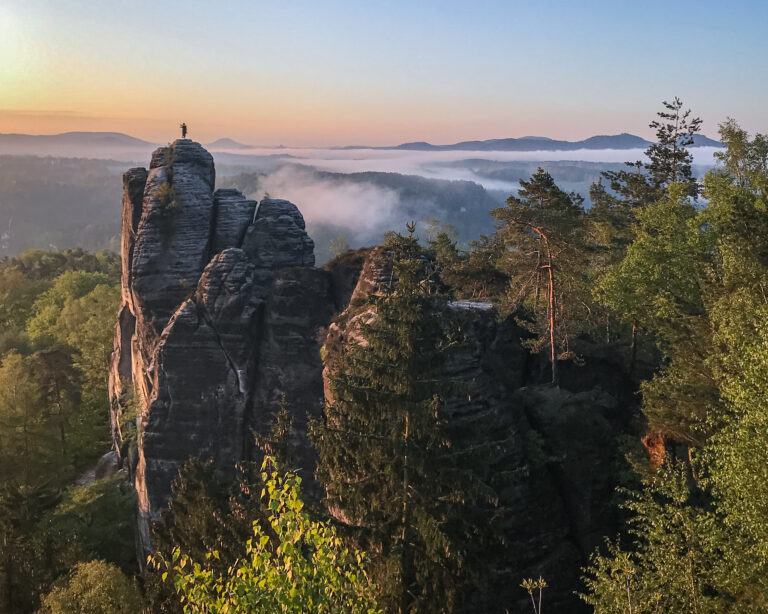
<point x="377" y="72"/>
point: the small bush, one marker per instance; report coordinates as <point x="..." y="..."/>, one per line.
<point x="167" y="197"/>
<point x="96" y="587"/>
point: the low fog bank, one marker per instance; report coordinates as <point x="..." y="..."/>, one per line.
<point x="352" y="197"/>
<point x="348" y="197"/>
<point x="357" y="209"/>
<point x="434" y="163"/>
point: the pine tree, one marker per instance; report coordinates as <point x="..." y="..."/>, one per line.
<point x="385" y="449"/>
<point x="697" y="279"/>
<point x="543" y="231"/>
<point x="669" y="567"/>
<point x="472" y="274"/>
<point x="669" y="159"/>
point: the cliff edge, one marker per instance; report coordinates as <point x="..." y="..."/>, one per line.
<point x="220" y="309"/>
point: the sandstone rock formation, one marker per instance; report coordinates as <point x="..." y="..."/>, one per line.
<point x="221" y="306"/>
<point x="223" y="313"/>
<point x="564" y="463"/>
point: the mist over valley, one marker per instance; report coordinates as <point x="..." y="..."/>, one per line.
<point x="61" y="192"/>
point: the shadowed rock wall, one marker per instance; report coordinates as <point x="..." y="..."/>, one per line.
<point x="221" y="306"/>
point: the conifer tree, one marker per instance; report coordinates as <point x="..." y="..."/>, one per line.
<point x="385" y="449"/>
<point x="669" y="160"/>
<point x="617" y="206"/>
<point x="697" y="279"/>
<point x="472" y="274"/>
<point x="543" y="231"/>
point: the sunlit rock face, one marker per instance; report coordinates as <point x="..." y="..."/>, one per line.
<point x="220" y="317"/>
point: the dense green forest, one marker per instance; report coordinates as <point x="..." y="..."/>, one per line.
<point x="56" y="333"/>
<point x="667" y="268"/>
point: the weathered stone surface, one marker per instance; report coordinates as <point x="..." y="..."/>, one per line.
<point x="234" y="213"/>
<point x="297" y="311"/>
<point x="121" y="370"/>
<point x="121" y="373"/>
<point x="196" y="408"/>
<point x="376" y="272"/>
<point x="108" y="465"/>
<point x="563" y="464"/>
<point x="134" y="182"/>
<point x="174" y="233"/>
<point x="277" y="237"/>
<point x="210" y="336"/>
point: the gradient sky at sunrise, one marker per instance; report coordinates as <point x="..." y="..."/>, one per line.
<point x="377" y="72"/>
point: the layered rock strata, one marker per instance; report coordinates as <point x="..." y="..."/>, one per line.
<point x="221" y="306"/>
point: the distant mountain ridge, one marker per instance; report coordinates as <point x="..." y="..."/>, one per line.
<point x="542" y="143"/>
<point x="78" y="138"/>
<point x="227" y="143"/>
<point x="115" y="142"/>
<point x="115" y="145"/>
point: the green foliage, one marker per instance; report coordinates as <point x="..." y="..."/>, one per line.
<point x="208" y="511"/>
<point x="28" y="440"/>
<point x="669" y="160"/>
<point x="37" y="264"/>
<point x="95" y="587"/>
<point x="339" y="245"/>
<point x="291" y="564"/>
<point x="613" y="218"/>
<point x="660" y="286"/>
<point x="396" y="472"/>
<point x="277" y="444"/>
<point x="53" y="421"/>
<point x="25" y="562"/>
<point x="98" y="520"/>
<point x="700" y="276"/>
<point x="472" y="274"/>
<point x="166" y="194"/>
<point x="17" y="295"/>
<point x="656" y="283"/>
<point x="670" y="566"/>
<point x="68" y="286"/>
<point x="542" y="230"/>
<point x="86" y="324"/>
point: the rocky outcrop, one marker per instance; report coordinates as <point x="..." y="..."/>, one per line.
<point x="221" y="306"/>
<point x="224" y="316"/>
<point x="555" y="506"/>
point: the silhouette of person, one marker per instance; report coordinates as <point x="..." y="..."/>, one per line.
<point x="183" y="130"/>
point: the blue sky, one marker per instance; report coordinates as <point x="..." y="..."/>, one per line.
<point x="332" y="72"/>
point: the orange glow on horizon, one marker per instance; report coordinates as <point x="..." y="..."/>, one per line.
<point x="290" y="126"/>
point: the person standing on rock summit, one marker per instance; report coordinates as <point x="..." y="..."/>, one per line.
<point x="183" y="127"/>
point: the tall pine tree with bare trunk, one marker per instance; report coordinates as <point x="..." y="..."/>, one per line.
<point x="543" y="231"/>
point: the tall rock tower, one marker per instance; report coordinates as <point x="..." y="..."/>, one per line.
<point x="221" y="307"/>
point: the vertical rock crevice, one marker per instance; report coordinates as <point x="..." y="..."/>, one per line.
<point x="188" y="344"/>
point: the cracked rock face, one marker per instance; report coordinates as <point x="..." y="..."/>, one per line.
<point x="223" y="314"/>
<point x="220" y="317"/>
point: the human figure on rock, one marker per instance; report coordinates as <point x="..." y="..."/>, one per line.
<point x="183" y="127"/>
